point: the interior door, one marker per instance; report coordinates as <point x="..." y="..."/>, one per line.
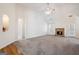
<point x="20" y="23"/>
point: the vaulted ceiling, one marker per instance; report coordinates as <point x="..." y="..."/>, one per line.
<point x="73" y="7"/>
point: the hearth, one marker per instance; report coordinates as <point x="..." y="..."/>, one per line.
<point x="59" y="31"/>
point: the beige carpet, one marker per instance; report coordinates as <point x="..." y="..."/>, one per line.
<point x="49" y="45"/>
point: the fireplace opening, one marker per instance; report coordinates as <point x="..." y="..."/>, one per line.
<point x="59" y="32"/>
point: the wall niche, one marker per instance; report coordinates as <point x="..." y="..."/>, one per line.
<point x="5" y="23"/>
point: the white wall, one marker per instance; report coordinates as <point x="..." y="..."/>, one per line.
<point x="35" y="24"/>
<point x="20" y="10"/>
<point x="77" y="26"/>
<point x="8" y="36"/>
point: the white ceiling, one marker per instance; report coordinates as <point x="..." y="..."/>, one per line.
<point x="56" y="6"/>
<point x="38" y="6"/>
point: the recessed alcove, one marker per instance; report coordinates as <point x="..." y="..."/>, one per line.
<point x="5" y="23"/>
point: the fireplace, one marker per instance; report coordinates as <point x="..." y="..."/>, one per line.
<point x="59" y="31"/>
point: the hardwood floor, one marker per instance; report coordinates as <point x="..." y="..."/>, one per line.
<point x="11" y="50"/>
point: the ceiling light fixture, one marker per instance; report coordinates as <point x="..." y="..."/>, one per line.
<point x="49" y="9"/>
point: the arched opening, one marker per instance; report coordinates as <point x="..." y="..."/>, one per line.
<point x="5" y="22"/>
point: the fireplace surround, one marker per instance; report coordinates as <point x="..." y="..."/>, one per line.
<point x="59" y="31"/>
